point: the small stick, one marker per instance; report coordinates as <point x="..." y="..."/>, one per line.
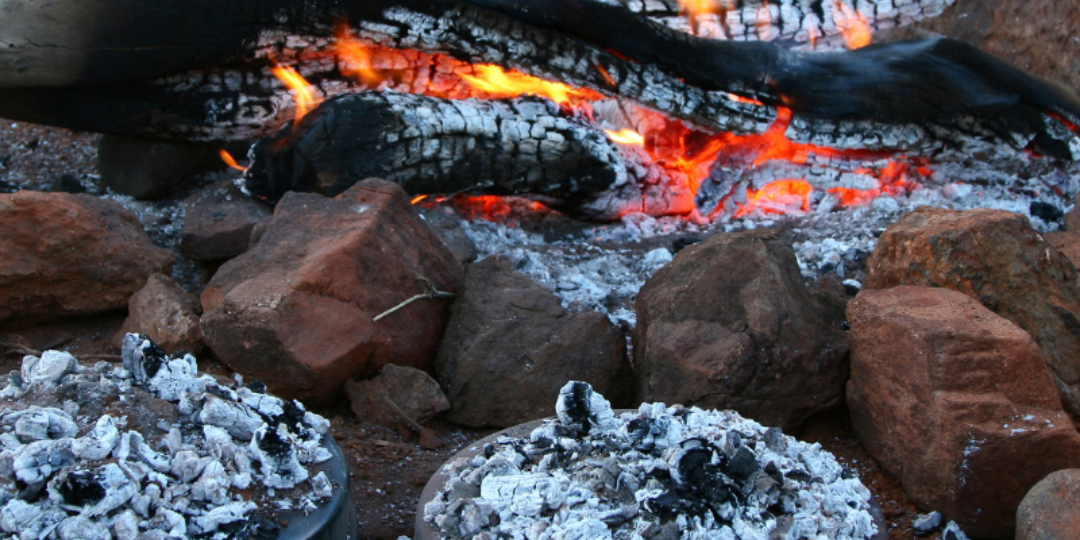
<point x="401" y="414"/>
<point x="431" y="293"/>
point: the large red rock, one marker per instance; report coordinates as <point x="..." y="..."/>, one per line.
<point x="996" y="258"/>
<point x="296" y="311"/>
<point x="730" y="324"/>
<point x="956" y="402"/>
<point x="1051" y="510"/>
<point x="510" y="346"/>
<point x="64" y="255"/>
<point x="167" y="313"/>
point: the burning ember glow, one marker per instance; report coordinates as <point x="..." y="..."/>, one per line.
<point x="626" y="136"/>
<point x="228" y="159"/>
<point x="780" y="197"/>
<point x="305" y="99"/>
<point x="852" y="25"/>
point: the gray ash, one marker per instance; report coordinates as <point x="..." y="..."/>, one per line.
<point x="151" y="450"/>
<point x="658" y="472"/>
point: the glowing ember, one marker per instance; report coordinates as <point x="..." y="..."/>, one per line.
<point x="499" y="83"/>
<point x="740" y="99"/>
<point x="779" y="197"/>
<point x="852" y="25"/>
<point x="418" y="198"/>
<point x="305" y="99"/>
<point x="356" y="57"/>
<point x="228" y="159"/>
<point x="626" y="136"/>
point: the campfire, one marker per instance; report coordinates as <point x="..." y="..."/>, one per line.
<point x="672" y="201"/>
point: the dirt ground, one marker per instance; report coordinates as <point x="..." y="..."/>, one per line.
<point x="388" y="469"/>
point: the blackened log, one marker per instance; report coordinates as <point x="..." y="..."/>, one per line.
<point x="912" y="96"/>
<point x="429" y="145"/>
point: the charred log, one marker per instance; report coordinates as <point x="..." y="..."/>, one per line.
<point x="913" y="96"/>
<point x="429" y="145"/>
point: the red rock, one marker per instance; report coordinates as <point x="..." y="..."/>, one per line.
<point x="956" y="402"/>
<point x="167" y="313"/>
<point x="70" y="255"/>
<point x="730" y="324"/>
<point x="510" y="346"/>
<point x="296" y="311"/>
<point x="996" y="258"/>
<point x="1067" y="243"/>
<point x="395" y="391"/>
<point x="218" y="222"/>
<point x="1051" y="510"/>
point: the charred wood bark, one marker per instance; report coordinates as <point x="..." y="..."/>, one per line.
<point x="429" y="145"/>
<point x="913" y="96"/>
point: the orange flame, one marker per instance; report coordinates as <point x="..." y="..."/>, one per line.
<point x="305" y="99"/>
<point x="626" y="136"/>
<point x="418" y="198"/>
<point x="357" y="57"/>
<point x="228" y="159"/>
<point x="852" y="25"/>
<point x="499" y="83"/>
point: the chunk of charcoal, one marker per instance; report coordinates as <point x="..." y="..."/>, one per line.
<point x="80" y="488"/>
<point x="257" y="386"/>
<point x="682" y="243"/>
<point x="925" y="524"/>
<point x="275" y="451"/>
<point x="581" y="409"/>
<point x="142" y="357"/>
<point x="1046" y="211"/>
<point x="742" y="464"/>
<point x="774" y="472"/>
<point x="665" y="505"/>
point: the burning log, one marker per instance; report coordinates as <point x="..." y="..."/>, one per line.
<point x="902" y="97"/>
<point x="430" y="145"/>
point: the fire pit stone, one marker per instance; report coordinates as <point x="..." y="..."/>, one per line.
<point x="69" y="255"/>
<point x="730" y="324"/>
<point x="510" y="346"/>
<point x="298" y="310"/>
<point x="997" y="258"/>
<point x="956" y="402"/>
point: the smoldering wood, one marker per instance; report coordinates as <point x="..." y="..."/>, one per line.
<point x="909" y="96"/>
<point x="430" y="145"/>
<point x="526" y="146"/>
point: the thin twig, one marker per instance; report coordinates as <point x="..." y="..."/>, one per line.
<point x="431" y="293"/>
<point x="401" y="414"/>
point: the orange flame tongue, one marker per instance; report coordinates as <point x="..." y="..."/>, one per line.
<point x="852" y="25"/>
<point x="228" y="159"/>
<point x="305" y="99"/>
<point x="499" y="83"/>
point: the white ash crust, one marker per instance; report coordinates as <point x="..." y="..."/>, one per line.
<point x="659" y="472"/>
<point x="82" y="470"/>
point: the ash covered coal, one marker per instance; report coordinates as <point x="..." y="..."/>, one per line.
<point x="152" y="449"/>
<point x="658" y="472"/>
